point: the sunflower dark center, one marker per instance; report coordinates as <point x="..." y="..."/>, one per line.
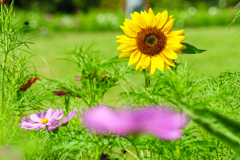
<point x="151" y="41"/>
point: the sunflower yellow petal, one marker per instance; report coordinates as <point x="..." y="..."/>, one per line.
<point x="145" y="17"/>
<point x="128" y="31"/>
<point x="152" y="67"/>
<point x="138" y="63"/>
<point x="152" y="18"/>
<point x="127" y="41"/>
<point x="162" y="20"/>
<point x="137" y="17"/>
<point x="126" y="47"/>
<point x="145" y="61"/>
<point x="170" y="54"/>
<point x="134" y="57"/>
<point x="159" y="62"/>
<point x="167" y="66"/>
<point x="179" y="52"/>
<point x="126" y="53"/>
<point x="121" y="36"/>
<point x="158" y="15"/>
<point x="168" y="27"/>
<point x="176" y="47"/>
<point x="124" y="37"/>
<point x="169" y="18"/>
<point x="175" y="39"/>
<point x="167" y="60"/>
<point x="176" y="33"/>
<point x="133" y="26"/>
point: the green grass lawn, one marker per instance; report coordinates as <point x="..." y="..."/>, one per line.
<point x="223" y="50"/>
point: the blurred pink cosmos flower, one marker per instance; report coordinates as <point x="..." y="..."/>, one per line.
<point x="25" y="86"/>
<point x="160" y="122"/>
<point x="66" y="92"/>
<point x="4" y="2"/>
<point x="41" y="120"/>
<point x="77" y="78"/>
<point x="59" y="93"/>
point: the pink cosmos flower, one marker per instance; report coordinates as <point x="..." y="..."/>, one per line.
<point x="25" y="86"/>
<point x="160" y="122"/>
<point x="64" y="121"/>
<point x="41" y="120"/>
<point x="69" y="117"/>
<point x="53" y="126"/>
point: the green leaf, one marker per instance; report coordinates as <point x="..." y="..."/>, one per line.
<point x="114" y="59"/>
<point x="191" y="49"/>
<point x="235" y="157"/>
<point x="225" y="129"/>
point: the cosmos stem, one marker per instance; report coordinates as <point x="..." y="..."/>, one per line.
<point x="67" y="97"/>
<point x="147" y="79"/>
<point x="69" y="130"/>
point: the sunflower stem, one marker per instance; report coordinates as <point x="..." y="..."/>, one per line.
<point x="147" y="79"/>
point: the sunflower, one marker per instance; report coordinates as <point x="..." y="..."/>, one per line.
<point x="149" y="41"/>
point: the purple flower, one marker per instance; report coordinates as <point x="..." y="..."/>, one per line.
<point x="41" y="120"/>
<point x="160" y="122"/>
<point x="104" y="156"/>
<point x="123" y="151"/>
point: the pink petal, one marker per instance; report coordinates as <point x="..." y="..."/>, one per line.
<point x="26" y="120"/>
<point x="58" y="114"/>
<point x="53" y="126"/>
<point x="30" y="125"/>
<point x="35" y="118"/>
<point x="43" y="114"/>
<point x="49" y="114"/>
<point x="69" y="116"/>
<point x="41" y="126"/>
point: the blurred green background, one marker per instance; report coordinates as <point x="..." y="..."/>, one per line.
<point x="65" y="24"/>
<point x="98" y="15"/>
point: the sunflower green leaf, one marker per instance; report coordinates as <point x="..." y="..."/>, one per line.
<point x="191" y="49"/>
